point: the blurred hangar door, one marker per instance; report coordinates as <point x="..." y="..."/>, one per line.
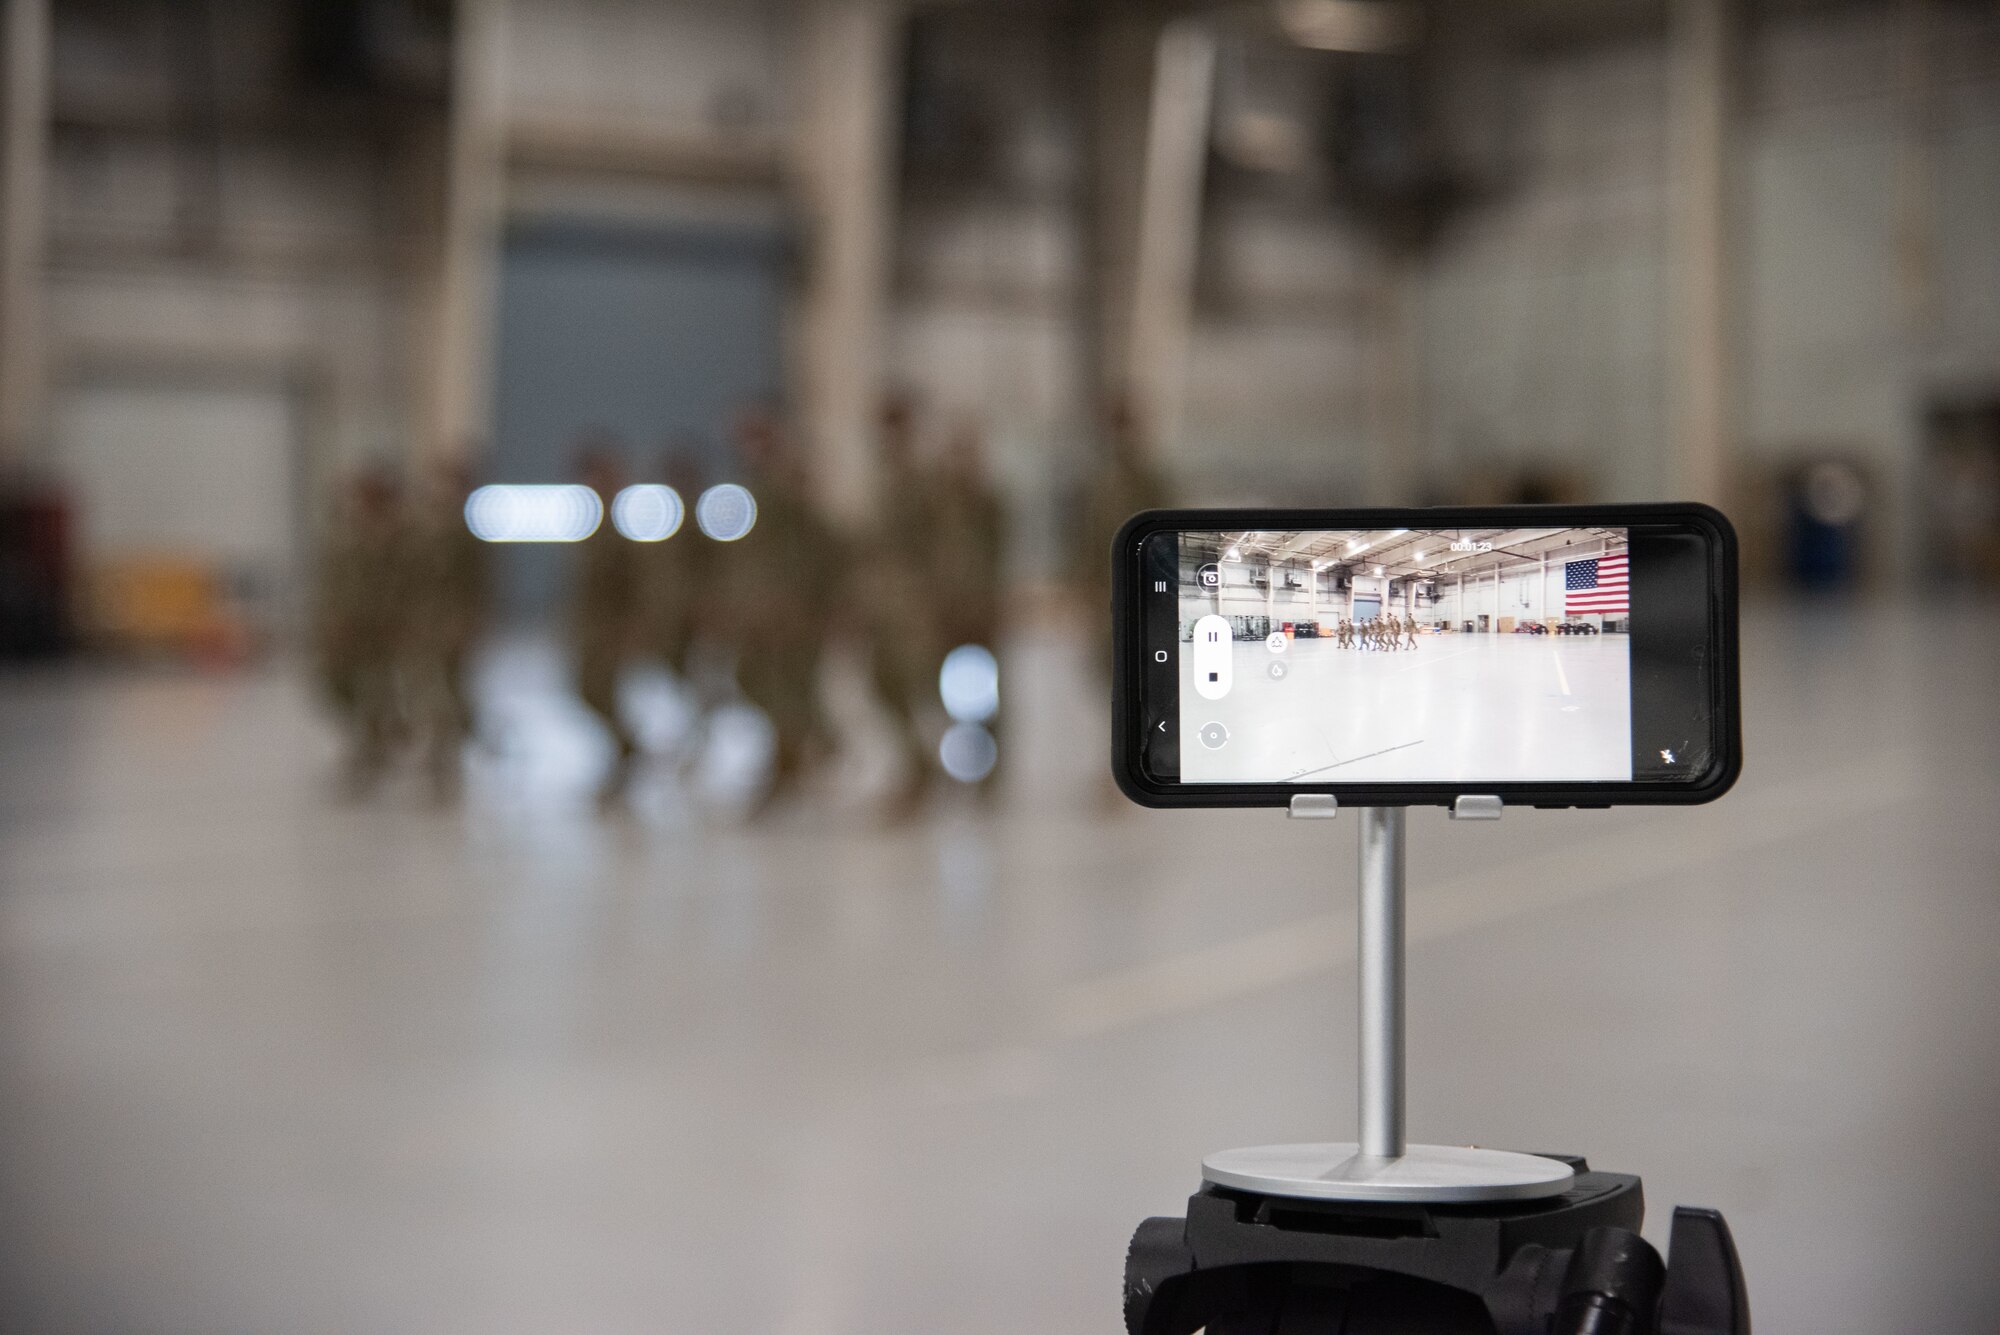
<point x="657" y="332"/>
<point x="188" y="499"/>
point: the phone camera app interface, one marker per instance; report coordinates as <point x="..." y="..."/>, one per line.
<point x="1405" y="655"/>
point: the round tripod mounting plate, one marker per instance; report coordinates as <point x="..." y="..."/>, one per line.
<point x="1423" y="1174"/>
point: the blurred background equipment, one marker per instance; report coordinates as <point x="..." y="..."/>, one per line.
<point x="1961" y="493"/>
<point x="258" y="257"/>
<point x="35" y="590"/>
<point x="1826" y="521"/>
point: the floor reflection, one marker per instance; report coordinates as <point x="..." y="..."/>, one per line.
<point x="270" y="1062"/>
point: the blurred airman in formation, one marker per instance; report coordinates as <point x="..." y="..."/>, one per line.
<point x="450" y="590"/>
<point x="931" y="582"/>
<point x="606" y="616"/>
<point x="1124" y="483"/>
<point x="403" y="593"/>
<point x="898" y="600"/>
<point x="683" y="603"/>
<point x="357" y="622"/>
<point x="969" y="562"/>
<point x="777" y="585"/>
<point x="744" y="614"/>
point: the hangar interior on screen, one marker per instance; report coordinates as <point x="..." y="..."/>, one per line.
<point x="1405" y="654"/>
<point x="1470" y="580"/>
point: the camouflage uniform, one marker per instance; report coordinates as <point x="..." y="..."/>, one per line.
<point x="679" y="574"/>
<point x="968" y="563"/>
<point x="604" y="631"/>
<point x="681" y="613"/>
<point x="905" y="633"/>
<point x="450" y="586"/>
<point x="778" y="580"/>
<point x="359" y="624"/>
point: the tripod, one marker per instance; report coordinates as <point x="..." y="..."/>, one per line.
<point x="1380" y="1237"/>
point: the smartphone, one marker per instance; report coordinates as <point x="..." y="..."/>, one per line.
<point x="1546" y="655"/>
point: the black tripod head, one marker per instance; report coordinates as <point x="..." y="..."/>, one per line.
<point x="1244" y="1264"/>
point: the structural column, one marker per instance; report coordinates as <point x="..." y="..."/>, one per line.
<point x="1396" y="367"/>
<point x="1703" y="62"/>
<point x="459" y="407"/>
<point x="846" y="165"/>
<point x="1169" y="222"/>
<point x="24" y="150"/>
<point x="1917" y="169"/>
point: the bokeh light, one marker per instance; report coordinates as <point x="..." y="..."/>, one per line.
<point x="969" y="684"/>
<point x="502" y="512"/>
<point x="648" y="512"/>
<point x="968" y="752"/>
<point x="726" y="511"/>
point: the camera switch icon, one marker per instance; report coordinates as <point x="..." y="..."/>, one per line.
<point x="1213" y="736"/>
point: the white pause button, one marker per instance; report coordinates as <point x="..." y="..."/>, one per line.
<point x="1213" y="674"/>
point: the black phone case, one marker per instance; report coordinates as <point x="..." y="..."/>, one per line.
<point x="1724" y="702"/>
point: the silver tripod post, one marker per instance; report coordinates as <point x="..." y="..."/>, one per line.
<point x="1380" y="947"/>
<point x="1380" y="1166"/>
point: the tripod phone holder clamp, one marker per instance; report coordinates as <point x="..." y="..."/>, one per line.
<point x="1379" y="1235"/>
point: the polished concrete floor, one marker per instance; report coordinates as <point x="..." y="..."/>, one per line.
<point x="269" y="1063"/>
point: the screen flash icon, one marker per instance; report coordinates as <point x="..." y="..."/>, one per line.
<point x="1666" y="755"/>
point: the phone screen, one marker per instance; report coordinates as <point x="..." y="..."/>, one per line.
<point x="1562" y="656"/>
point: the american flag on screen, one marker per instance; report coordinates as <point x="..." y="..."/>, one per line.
<point x="1596" y="587"/>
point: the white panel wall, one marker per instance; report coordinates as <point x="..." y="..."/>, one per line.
<point x="278" y="264"/>
<point x="1546" y="319"/>
<point x="1543" y="315"/>
<point x="1526" y="592"/>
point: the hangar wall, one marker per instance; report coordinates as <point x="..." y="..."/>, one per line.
<point x="295" y="260"/>
<point x="1863" y="170"/>
<point x="1544" y="318"/>
<point x="1528" y="591"/>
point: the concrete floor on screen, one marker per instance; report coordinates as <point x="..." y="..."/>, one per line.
<point x="268" y="1063"/>
<point x="1500" y="707"/>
